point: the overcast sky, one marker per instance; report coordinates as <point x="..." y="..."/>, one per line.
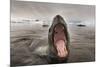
<point x="46" y="11"/>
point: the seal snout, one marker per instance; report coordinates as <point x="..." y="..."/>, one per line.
<point x="58" y="16"/>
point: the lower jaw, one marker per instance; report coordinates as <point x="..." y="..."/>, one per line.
<point x="62" y="42"/>
<point x="62" y="58"/>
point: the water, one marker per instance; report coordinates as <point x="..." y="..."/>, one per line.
<point x="25" y="37"/>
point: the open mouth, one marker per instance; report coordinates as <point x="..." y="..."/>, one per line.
<point x="60" y="41"/>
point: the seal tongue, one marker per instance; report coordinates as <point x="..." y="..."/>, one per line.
<point x="61" y="48"/>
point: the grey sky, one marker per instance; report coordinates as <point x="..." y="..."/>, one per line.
<point x="40" y="10"/>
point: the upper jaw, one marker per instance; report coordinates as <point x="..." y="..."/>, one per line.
<point x="58" y="19"/>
